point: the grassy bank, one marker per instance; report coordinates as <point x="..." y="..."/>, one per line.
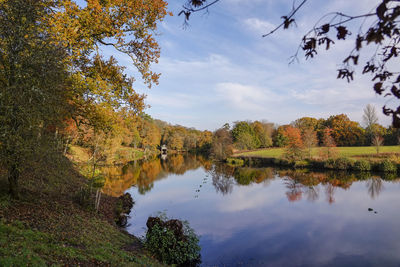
<point x="47" y="226"/>
<point x="346" y="158"/>
<point x="349" y="152"/>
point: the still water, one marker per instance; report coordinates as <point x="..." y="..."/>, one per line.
<point x="268" y="217"/>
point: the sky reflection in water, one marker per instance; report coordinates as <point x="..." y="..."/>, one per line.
<point x="266" y="217"/>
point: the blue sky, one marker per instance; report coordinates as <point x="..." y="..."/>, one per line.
<point x="220" y="69"/>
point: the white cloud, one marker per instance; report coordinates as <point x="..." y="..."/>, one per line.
<point x="245" y="96"/>
<point x="258" y="26"/>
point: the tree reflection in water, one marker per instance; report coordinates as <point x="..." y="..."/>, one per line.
<point x="299" y="183"/>
<point x="375" y="186"/>
<point x="144" y="173"/>
<point x="222" y="178"/>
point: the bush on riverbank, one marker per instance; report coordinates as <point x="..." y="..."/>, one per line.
<point x="387" y="166"/>
<point x="172" y="241"/>
<point x="362" y="165"/>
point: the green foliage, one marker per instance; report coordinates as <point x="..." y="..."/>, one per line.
<point x="33" y="95"/>
<point x="280" y="140"/>
<point x="362" y="165"/>
<point x="89" y="241"/>
<point x="165" y="246"/>
<point x="339" y="164"/>
<point x="343" y="164"/>
<point x="244" y="136"/>
<point x="387" y="166"/>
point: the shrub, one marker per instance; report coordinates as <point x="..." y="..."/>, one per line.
<point x="329" y="164"/>
<point x="172" y="242"/>
<point x="388" y="166"/>
<point x="343" y="164"/>
<point x="362" y="165"/>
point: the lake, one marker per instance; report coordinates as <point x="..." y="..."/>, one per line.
<point x="265" y="216"/>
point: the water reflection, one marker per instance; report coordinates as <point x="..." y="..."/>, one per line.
<point x="299" y="183"/>
<point x="144" y="173"/>
<point x="265" y="216"/>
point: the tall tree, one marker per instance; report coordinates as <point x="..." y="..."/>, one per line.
<point x="263" y="133"/>
<point x="33" y="82"/>
<point x="344" y="131"/>
<point x="370" y="119"/>
<point x="244" y="136"/>
<point x="98" y="83"/>
<point x="222" y="144"/>
<point x="295" y="145"/>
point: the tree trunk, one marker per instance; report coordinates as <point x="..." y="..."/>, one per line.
<point x="13" y="177"/>
<point x="66" y="147"/>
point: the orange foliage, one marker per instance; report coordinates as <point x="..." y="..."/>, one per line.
<point x="294" y="137"/>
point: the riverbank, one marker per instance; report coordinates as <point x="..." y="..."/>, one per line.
<point x="346" y="158"/>
<point x="48" y="225"/>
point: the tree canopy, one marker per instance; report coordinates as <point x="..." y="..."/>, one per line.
<point x="52" y="69"/>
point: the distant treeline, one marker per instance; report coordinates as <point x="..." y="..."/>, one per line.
<point x="142" y="132"/>
<point x="337" y="130"/>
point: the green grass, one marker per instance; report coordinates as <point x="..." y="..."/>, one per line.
<point x="21" y="246"/>
<point x="47" y="226"/>
<point x="342" y="151"/>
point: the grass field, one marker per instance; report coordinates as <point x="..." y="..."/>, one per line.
<point x="351" y="152"/>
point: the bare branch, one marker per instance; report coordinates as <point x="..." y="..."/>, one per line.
<point x="286" y="19"/>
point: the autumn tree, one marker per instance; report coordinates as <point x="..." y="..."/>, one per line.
<point x="305" y="123"/>
<point x="344" y="131"/>
<point x="222" y="144"/>
<point x="33" y="82"/>
<point x="99" y="85"/>
<point x="150" y="134"/>
<point x="263" y="133"/>
<point x="279" y="137"/>
<point x="205" y="141"/>
<point x="295" y="145"/>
